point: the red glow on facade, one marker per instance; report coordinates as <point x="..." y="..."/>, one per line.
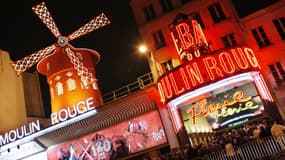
<point x="206" y="69"/>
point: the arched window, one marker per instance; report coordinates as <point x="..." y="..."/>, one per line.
<point x="59" y="88"/>
<point x="71" y="84"/>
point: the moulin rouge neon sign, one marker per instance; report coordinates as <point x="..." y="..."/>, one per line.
<point x="204" y="70"/>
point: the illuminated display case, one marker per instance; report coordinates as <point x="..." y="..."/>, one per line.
<point x="123" y="139"/>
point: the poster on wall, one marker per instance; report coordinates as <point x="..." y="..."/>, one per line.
<point x="125" y="138"/>
<point x="228" y="108"/>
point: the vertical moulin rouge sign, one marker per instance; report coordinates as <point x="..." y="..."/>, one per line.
<point x="189" y="38"/>
<point x="120" y="140"/>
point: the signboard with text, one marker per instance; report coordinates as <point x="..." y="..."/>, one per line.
<point x="125" y="138"/>
<point x="205" y="70"/>
<point x="229" y="108"/>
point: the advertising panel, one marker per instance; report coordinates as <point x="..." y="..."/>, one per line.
<point x="125" y="138"/>
<point x="226" y="109"/>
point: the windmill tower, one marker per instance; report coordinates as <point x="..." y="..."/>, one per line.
<point x="70" y="71"/>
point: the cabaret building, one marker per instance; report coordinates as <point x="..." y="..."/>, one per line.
<point x="213" y="68"/>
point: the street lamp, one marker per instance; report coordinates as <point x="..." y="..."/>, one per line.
<point x="151" y="61"/>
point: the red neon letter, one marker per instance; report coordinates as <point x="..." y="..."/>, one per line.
<point x="160" y="90"/>
<point x="166" y="87"/>
<point x="198" y="33"/>
<point x="211" y="64"/>
<point x="184" y="35"/>
<point x="194" y="74"/>
<point x="241" y="61"/>
<point x="174" y="84"/>
<point x="184" y="78"/>
<point x="251" y="57"/>
<point x="178" y="48"/>
<point x="227" y="62"/>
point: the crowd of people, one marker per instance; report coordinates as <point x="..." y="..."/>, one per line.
<point x="227" y="139"/>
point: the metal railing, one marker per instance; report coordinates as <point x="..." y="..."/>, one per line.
<point x="141" y="83"/>
<point x="271" y="147"/>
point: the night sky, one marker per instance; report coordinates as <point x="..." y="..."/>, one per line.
<point x="23" y="33"/>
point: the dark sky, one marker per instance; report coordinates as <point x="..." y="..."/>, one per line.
<point x="23" y="33"/>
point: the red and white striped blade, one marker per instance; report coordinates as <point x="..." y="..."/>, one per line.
<point x="95" y="23"/>
<point x="85" y="75"/>
<point x="43" y="13"/>
<point x="27" y="62"/>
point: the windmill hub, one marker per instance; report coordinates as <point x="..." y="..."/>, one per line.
<point x="62" y="41"/>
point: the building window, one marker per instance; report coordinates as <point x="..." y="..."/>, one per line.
<point x="59" y="88"/>
<point x="149" y="13"/>
<point x="217" y="12"/>
<point x="198" y="18"/>
<point x="71" y="84"/>
<point x="166" y="5"/>
<point x="167" y="65"/>
<point x="158" y="39"/>
<point x="229" y="40"/>
<point x="260" y="37"/>
<point x="278" y="73"/>
<point x="280" y="26"/>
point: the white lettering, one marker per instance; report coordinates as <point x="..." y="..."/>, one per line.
<point x="78" y="108"/>
<point x="62" y="115"/>
<point x="89" y="103"/>
<point x="25" y="130"/>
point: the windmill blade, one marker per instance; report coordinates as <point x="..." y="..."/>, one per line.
<point x="43" y="13"/>
<point x="85" y="75"/>
<point x="27" y="62"/>
<point x="92" y="25"/>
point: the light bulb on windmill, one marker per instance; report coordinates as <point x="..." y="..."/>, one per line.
<point x="70" y="71"/>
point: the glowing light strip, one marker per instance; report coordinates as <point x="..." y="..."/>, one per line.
<point x="175" y="118"/>
<point x="262" y="87"/>
<point x="219" y="84"/>
<point x="239" y="117"/>
<point x="47" y="130"/>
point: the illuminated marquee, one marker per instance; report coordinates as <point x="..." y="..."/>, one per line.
<point x="204" y="70"/>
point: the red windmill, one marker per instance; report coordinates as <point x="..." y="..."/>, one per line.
<point x="70" y="71"/>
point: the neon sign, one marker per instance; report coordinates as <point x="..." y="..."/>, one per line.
<point x="205" y="70"/>
<point x="203" y="108"/>
<point x="19" y="133"/>
<point x="77" y="109"/>
<point x="187" y="36"/>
